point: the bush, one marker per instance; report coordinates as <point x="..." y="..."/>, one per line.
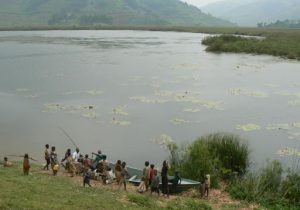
<point x="218" y="154"/>
<point x="291" y="187"/>
<point x="198" y="162"/>
<point x="231" y="152"/>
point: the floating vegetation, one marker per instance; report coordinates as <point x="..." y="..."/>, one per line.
<point x="120" y="110"/>
<point x="71" y="93"/>
<point x="67" y="108"/>
<point x="187" y="66"/>
<point x="119" y="122"/>
<point x="248" y="127"/>
<point x="21" y="90"/>
<point x="296" y="125"/>
<point x="32" y="96"/>
<point x="148" y="100"/>
<point x="191" y="110"/>
<point x="283" y="93"/>
<point x="293" y="135"/>
<point x="135" y="78"/>
<point x="235" y="91"/>
<point x="257" y="94"/>
<point x="94" y="92"/>
<point x="279" y="126"/>
<point x="178" y="121"/>
<point x="294" y="102"/>
<point x="288" y="152"/>
<point x="217" y="105"/>
<point x="239" y="91"/>
<point x="91" y="115"/>
<point x="165" y="141"/>
<point x="164" y="93"/>
<point x="54" y="106"/>
<point x="271" y="85"/>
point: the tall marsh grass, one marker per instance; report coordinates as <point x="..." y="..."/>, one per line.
<point x="286" y="45"/>
<point x="221" y="155"/>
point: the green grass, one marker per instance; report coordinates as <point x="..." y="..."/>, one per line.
<point x="286" y="45"/>
<point x="44" y="191"/>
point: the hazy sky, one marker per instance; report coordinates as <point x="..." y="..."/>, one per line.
<point x="200" y="3"/>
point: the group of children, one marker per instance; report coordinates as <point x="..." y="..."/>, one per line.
<point x="51" y="159"/>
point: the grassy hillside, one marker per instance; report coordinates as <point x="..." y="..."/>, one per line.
<point x="103" y="12"/>
<point x="41" y="190"/>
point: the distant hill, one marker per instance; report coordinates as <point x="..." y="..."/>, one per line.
<point x="281" y="24"/>
<point x="251" y="12"/>
<point x="103" y="12"/>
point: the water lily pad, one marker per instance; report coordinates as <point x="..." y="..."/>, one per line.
<point x="258" y="94"/>
<point x="248" y="127"/>
<point x="32" y="96"/>
<point x="21" y="90"/>
<point x="119" y="122"/>
<point x="54" y="106"/>
<point x="191" y="110"/>
<point x="284" y="126"/>
<point x="235" y="91"/>
<point x="166" y="142"/>
<point x="91" y="115"/>
<point x="288" y="152"/>
<point x="164" y="93"/>
<point x="94" y="92"/>
<point x="148" y="100"/>
<point x="120" y="111"/>
<point x="294" y="102"/>
<point x="71" y="93"/>
<point x="178" y="121"/>
<point x="296" y="125"/>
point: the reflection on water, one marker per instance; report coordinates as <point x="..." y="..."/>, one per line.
<point x="118" y="90"/>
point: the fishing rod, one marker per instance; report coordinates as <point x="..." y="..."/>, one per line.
<point x="69" y="137"/>
<point x="21" y="157"/>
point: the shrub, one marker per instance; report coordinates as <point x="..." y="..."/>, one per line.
<point x="231" y="152"/>
<point x="291" y="187"/>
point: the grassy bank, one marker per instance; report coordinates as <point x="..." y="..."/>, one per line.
<point x="226" y="158"/>
<point x="284" y="44"/>
<point x="41" y="190"/>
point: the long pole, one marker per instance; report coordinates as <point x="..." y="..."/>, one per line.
<point x="20" y="157"/>
<point x="69" y="137"/>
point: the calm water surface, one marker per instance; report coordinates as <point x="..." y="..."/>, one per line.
<point x="118" y="91"/>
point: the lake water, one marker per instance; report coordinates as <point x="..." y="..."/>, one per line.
<point x="118" y="91"/>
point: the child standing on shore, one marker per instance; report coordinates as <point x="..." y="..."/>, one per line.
<point x="87" y="178"/>
<point x="155" y="183"/>
<point x="26" y="164"/>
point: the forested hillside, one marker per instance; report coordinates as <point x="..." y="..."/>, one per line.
<point x="103" y="12"/>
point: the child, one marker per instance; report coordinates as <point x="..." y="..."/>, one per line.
<point x="47" y="157"/>
<point x="155" y="183"/>
<point x="206" y="184"/>
<point x="26" y="165"/>
<point x="124" y="174"/>
<point x="87" y="178"/>
<point x="6" y="163"/>
<point x="54" y="161"/>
